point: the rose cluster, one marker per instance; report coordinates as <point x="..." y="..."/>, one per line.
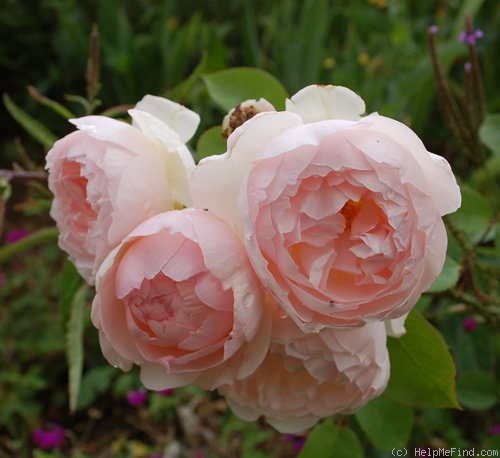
<point x="272" y="272"/>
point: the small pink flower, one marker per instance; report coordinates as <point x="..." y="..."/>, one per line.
<point x="433" y="29"/>
<point x="14" y="235"/>
<point x="137" y="398"/>
<point x="297" y="440"/>
<point x="495" y="430"/>
<point x="168" y="392"/>
<point x="469" y="323"/>
<point x="49" y="436"/>
<point x="470" y="37"/>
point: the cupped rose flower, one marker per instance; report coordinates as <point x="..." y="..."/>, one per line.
<point x="178" y="298"/>
<point x="309" y="376"/>
<point x="340" y="215"/>
<point x="109" y="176"/>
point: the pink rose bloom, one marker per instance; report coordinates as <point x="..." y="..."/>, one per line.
<point x="340" y="215"/>
<point x="109" y="176"/>
<point x="309" y="376"/>
<point x="178" y="297"/>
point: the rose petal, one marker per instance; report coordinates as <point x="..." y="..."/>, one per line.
<point x="316" y="103"/>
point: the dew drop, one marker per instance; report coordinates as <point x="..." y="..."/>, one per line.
<point x="282" y="314"/>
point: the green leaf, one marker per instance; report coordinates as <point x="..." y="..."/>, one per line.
<point x="74" y="346"/>
<point x="474" y="216"/>
<point x="489" y="132"/>
<point x="448" y="277"/>
<point x="182" y="90"/>
<point x="70" y="282"/>
<point x="211" y="142"/>
<point x="94" y="383"/>
<point x="328" y="441"/>
<point x="229" y="88"/>
<point x="422" y="370"/>
<point x="477" y="390"/>
<point x="388" y="425"/>
<point x="56" y="107"/>
<point x="491" y="444"/>
<point x="37" y="130"/>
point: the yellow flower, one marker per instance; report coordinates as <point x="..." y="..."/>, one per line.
<point x="363" y="58"/>
<point x="378" y="3"/>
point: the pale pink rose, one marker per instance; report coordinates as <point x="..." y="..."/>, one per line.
<point x="109" y="176"/>
<point x="341" y="217"/>
<point x="178" y="298"/>
<point x="309" y="376"/>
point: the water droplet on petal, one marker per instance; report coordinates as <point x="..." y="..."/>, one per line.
<point x="282" y="314"/>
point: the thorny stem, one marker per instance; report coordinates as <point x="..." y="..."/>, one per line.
<point x="468" y="101"/>
<point x="477" y="299"/>
<point x="489" y="309"/>
<point x="22" y="174"/>
<point x="448" y="104"/>
<point x="476" y="73"/>
<point x="92" y="74"/>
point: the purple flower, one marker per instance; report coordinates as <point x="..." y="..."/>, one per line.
<point x="166" y="392"/>
<point x="137" y="398"/>
<point x="49" y="436"/>
<point x="469" y="323"/>
<point x="470" y="36"/>
<point x="433" y="29"/>
<point x="159" y="455"/>
<point x="298" y="441"/>
<point x="14" y="235"/>
<point x="199" y="454"/>
<point x="495" y="430"/>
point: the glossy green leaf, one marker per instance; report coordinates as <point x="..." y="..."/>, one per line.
<point x="328" y="441"/>
<point x="37" y="130"/>
<point x="477" y="390"/>
<point x="489" y="132"/>
<point x="211" y="142"/>
<point x="229" y="88"/>
<point x="422" y="370"/>
<point x="74" y="346"/>
<point x="448" y="277"/>
<point x="387" y="424"/>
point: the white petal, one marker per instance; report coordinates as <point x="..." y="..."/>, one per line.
<point x="292" y="425"/>
<point x="155" y="377"/>
<point x="179" y="118"/>
<point x="179" y="162"/>
<point x="317" y="103"/>
<point x="396" y="327"/>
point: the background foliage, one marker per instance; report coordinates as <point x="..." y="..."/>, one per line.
<point x="182" y="50"/>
